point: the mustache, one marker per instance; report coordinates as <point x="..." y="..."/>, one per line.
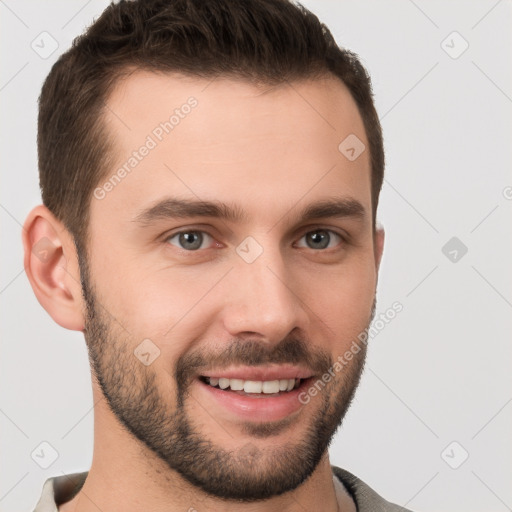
<point x="250" y="352"/>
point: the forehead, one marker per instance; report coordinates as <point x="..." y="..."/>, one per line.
<point x="228" y="139"/>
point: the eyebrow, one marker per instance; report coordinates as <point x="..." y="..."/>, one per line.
<point x="175" y="208"/>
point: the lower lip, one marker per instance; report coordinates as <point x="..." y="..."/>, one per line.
<point x="257" y="408"/>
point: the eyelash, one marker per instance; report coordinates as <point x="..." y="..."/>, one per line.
<point x="343" y="239"/>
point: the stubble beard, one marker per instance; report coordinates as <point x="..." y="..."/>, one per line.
<point x="247" y="473"/>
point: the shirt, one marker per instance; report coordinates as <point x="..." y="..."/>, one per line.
<point x="60" y="489"/>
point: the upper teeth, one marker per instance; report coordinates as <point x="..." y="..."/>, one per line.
<point x="254" y="386"/>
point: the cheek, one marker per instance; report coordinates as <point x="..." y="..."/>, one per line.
<point x="343" y="298"/>
<point x="166" y="306"/>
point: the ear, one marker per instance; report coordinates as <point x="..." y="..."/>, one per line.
<point x="51" y="265"/>
<point x="378" y="243"/>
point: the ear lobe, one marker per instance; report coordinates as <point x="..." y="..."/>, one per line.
<point x="51" y="266"/>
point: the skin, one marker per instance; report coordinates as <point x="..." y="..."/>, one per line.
<point x="271" y="152"/>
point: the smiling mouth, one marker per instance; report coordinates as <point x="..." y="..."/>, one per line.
<point x="255" y="388"/>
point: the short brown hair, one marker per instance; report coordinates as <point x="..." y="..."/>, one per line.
<point x="264" y="41"/>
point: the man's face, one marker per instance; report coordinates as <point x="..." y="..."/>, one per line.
<point x="177" y="297"/>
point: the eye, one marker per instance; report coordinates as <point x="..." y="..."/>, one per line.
<point x="321" y="239"/>
<point x="189" y="240"/>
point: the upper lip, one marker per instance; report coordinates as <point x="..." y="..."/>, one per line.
<point x="263" y="373"/>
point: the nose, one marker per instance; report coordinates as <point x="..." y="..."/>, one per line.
<point x="262" y="298"/>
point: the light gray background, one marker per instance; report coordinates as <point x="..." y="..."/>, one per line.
<point x="439" y="372"/>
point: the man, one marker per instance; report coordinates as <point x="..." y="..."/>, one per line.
<point x="210" y="174"/>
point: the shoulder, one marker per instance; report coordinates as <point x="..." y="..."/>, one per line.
<point x="59" y="489"/>
<point x="366" y="499"/>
